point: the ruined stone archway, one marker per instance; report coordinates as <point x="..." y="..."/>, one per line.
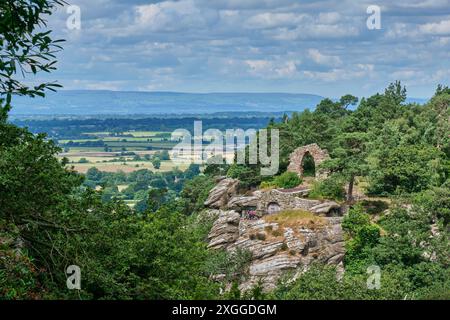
<point x="308" y="165"/>
<point x="296" y="158"/>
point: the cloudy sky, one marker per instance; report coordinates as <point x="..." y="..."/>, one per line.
<point x="321" y="47"/>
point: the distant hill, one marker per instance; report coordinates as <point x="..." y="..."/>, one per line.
<point x="124" y="103"/>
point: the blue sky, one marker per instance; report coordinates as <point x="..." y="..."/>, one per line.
<point x="320" y="47"/>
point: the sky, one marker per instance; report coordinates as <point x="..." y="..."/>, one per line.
<point x="296" y="46"/>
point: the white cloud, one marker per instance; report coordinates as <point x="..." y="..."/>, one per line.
<point x="169" y="16"/>
<point x="329" y="17"/>
<point x="316" y="31"/>
<point x="338" y="74"/>
<point x="404" y="74"/>
<point x="272" y="69"/>
<point x="248" y="44"/>
<point x="322" y="59"/>
<point x="440" y="28"/>
<point x="271" y="20"/>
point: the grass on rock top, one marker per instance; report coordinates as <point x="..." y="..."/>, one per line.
<point x="296" y="218"/>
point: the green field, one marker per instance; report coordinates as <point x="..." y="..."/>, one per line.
<point x="110" y="152"/>
<point x="128" y="166"/>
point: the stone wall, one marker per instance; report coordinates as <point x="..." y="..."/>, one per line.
<point x="285" y="200"/>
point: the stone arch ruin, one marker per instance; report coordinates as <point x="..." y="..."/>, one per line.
<point x="296" y="158"/>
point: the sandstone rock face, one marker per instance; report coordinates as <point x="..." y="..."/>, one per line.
<point x="239" y="202"/>
<point x="220" y="194"/>
<point x="277" y="249"/>
<point x="326" y="208"/>
<point x="225" y="230"/>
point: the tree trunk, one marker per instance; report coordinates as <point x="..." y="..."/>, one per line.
<point x="350" y="188"/>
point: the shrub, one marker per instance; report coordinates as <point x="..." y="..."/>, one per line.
<point x="355" y="220"/>
<point x="320" y="283"/>
<point x="375" y="206"/>
<point x="261" y="236"/>
<point x="331" y="188"/>
<point x="362" y="236"/>
<point x="277" y="233"/>
<point x="249" y="176"/>
<point x="267" y="185"/>
<point x="287" y="180"/>
<point x="284" y="246"/>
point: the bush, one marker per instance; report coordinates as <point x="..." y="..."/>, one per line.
<point x="277" y="233"/>
<point x="355" y="220"/>
<point x="331" y="188"/>
<point x="287" y="180"/>
<point x="195" y="192"/>
<point x="374" y="206"/>
<point x="261" y="236"/>
<point x="362" y="236"/>
<point x="267" y="185"/>
<point x="249" y="176"/>
<point x="320" y="283"/>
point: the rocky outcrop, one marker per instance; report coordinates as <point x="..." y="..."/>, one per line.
<point x="224" y="196"/>
<point x="221" y="193"/>
<point x="275" y="248"/>
<point x="326" y="208"/>
<point x="225" y="230"/>
<point x="239" y="202"/>
<point x="285" y="200"/>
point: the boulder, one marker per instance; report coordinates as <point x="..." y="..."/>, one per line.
<point x="259" y="249"/>
<point x="221" y="193"/>
<point x="274" y="264"/>
<point x="292" y="241"/>
<point x="325" y="208"/>
<point x="238" y="202"/>
<point x="225" y="230"/>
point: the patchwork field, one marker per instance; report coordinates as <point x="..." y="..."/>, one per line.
<point x="127" y="166"/>
<point x="127" y="151"/>
<point x="113" y="151"/>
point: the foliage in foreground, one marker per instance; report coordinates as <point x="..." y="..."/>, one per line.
<point x="49" y="221"/>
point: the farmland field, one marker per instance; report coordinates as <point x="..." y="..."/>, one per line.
<point x="112" y="152"/>
<point x="127" y="166"/>
<point x="128" y="151"/>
